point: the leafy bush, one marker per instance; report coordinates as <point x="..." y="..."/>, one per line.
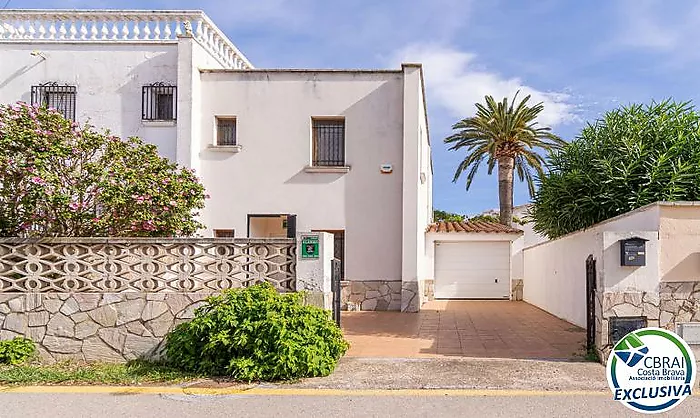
<point x="60" y="179"/>
<point x="257" y="334"/>
<point x="441" y="215"/>
<point x="16" y="351"/>
<point x="633" y="156"/>
<point x="493" y="218"/>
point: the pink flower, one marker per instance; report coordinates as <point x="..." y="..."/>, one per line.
<point x="38" y="180"/>
<point x="74" y="206"/>
<point x="173" y="203"/>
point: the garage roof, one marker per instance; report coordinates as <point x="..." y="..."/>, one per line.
<point x="473" y="226"/>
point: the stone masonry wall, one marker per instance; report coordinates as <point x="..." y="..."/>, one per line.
<point x="371" y="295"/>
<point x="111" y="327"/>
<point x="675" y="303"/>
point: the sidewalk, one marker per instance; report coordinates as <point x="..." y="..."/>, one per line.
<point x="461" y="373"/>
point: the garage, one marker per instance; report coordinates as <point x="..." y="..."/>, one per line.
<point x="471" y="260"/>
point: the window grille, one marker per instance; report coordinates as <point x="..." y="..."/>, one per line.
<point x="159" y="102"/>
<point x="61" y="98"/>
<point x="226" y="131"/>
<point x="328" y="142"/>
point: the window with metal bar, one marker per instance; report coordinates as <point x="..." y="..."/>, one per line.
<point x="226" y="131"/>
<point x="159" y="102"/>
<point x="328" y="142"/>
<point x="61" y="98"/>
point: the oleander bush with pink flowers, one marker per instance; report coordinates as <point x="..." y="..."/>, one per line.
<point x="58" y="178"/>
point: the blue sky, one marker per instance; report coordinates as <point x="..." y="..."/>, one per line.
<point x="579" y="58"/>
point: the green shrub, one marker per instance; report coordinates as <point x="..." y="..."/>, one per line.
<point x="257" y="334"/>
<point x="16" y="351"/>
<point x="631" y="157"/>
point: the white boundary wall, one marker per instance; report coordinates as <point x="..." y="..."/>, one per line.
<point x="555" y="271"/>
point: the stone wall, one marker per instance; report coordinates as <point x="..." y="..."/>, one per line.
<point x="111" y="327"/>
<point x="371" y="295"/>
<point x="675" y="303"/>
<point x="516" y="289"/>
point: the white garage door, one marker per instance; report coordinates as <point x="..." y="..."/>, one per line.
<point x="472" y="270"/>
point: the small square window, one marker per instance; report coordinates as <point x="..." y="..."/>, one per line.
<point x="224" y="233"/>
<point x="226" y="132"/>
<point x="328" y="142"/>
<point x="159" y="102"/>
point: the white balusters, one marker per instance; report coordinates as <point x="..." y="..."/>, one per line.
<point x="146" y="30"/>
<point x="52" y="30"/>
<point x="93" y="30"/>
<point x="20" y="30"/>
<point x="199" y="31"/>
<point x="115" y="30"/>
<point x="115" y="25"/>
<point x="167" y="32"/>
<point x="72" y="31"/>
<point x="125" y="30"/>
<point x="135" y="31"/>
<point x="62" y="31"/>
<point x="156" y="30"/>
<point x="42" y="30"/>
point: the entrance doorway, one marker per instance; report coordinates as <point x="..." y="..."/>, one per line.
<point x="272" y="226"/>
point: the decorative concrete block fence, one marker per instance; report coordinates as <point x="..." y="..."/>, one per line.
<point x="116" y="299"/>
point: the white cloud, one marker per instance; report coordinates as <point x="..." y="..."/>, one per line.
<point x="455" y="82"/>
<point x="656" y="26"/>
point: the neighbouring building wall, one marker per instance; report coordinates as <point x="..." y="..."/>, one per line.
<point x="108" y="76"/>
<point x="269" y="173"/>
<point x="555" y="271"/>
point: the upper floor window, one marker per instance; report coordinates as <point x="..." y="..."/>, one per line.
<point x="61" y="98"/>
<point x="226" y="131"/>
<point x="328" y="142"/>
<point x="159" y="102"/>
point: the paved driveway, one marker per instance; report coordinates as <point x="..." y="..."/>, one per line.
<point x="493" y="329"/>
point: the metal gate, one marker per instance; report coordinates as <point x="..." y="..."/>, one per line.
<point x="590" y="302"/>
<point x="336" y="275"/>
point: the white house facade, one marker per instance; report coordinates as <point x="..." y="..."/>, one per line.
<point x="279" y="151"/>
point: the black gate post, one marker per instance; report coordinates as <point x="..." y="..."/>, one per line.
<point x="590" y="302"/>
<point x="335" y="287"/>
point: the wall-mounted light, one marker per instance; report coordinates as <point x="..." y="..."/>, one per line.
<point x="39" y="54"/>
<point x="386" y="168"/>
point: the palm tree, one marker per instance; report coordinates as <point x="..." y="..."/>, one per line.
<point x="507" y="135"/>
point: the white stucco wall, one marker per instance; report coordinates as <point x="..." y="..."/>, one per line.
<point x="273" y="110"/>
<point x="555" y="271"/>
<point x="679" y="237"/>
<point x="108" y="76"/>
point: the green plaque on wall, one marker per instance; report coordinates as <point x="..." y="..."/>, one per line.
<point x="309" y="246"/>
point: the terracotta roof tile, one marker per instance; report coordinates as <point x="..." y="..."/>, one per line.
<point x="472" y="226"/>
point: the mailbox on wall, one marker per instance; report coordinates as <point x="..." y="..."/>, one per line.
<point x="633" y="252"/>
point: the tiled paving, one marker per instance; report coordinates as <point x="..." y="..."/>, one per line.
<point x="494" y="329"/>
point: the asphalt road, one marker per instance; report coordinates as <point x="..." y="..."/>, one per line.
<point x="381" y="404"/>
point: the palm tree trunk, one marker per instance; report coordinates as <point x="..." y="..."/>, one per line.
<point x="505" y="189"/>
